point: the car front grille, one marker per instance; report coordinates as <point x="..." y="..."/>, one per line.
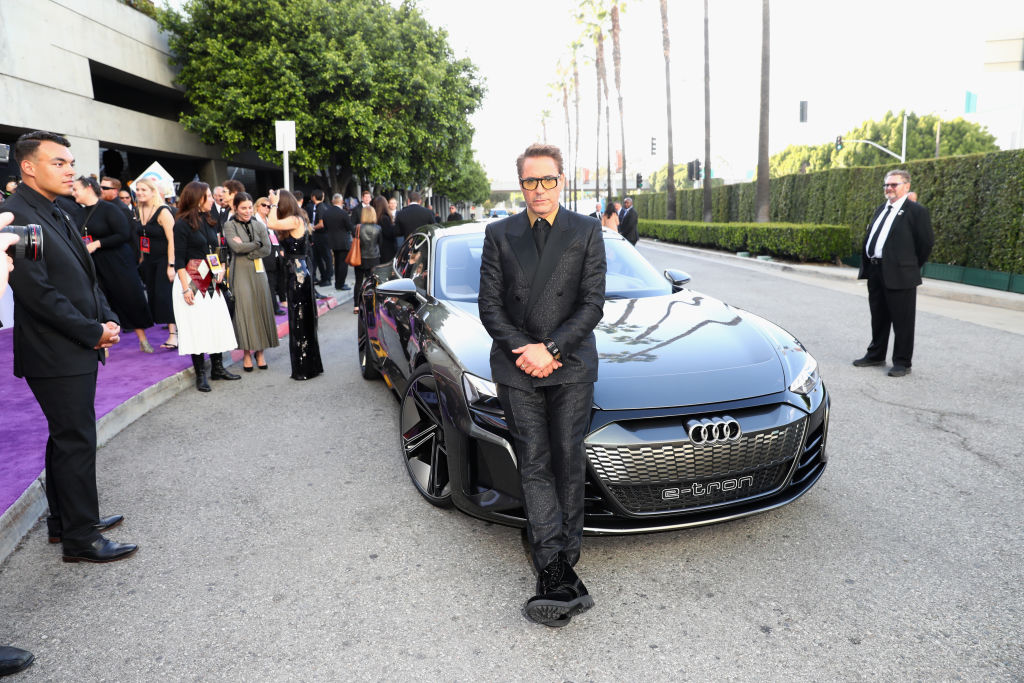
<point x="680" y="476"/>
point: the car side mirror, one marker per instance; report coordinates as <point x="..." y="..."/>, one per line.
<point x="402" y="287"/>
<point x="677" y="277"/>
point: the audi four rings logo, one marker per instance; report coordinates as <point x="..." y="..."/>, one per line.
<point x="712" y="430"/>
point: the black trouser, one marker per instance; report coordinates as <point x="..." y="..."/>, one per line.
<point x="68" y="404"/>
<point x="321" y="266"/>
<point x="548" y="425"/>
<point x="340" y="267"/>
<point x="890" y="308"/>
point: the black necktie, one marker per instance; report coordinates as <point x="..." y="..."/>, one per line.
<point x="874" y="238"/>
<point x="62" y="219"/>
<point x="540" y="234"/>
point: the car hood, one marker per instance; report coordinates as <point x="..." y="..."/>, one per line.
<point x="676" y="350"/>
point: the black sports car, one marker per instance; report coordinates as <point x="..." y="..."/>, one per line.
<point x="702" y="412"/>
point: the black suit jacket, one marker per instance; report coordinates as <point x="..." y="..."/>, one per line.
<point x="906" y="248"/>
<point x="339" y="227"/>
<point x="412" y="217"/>
<point x="59" y="309"/>
<point x="627" y="225"/>
<point x="526" y="297"/>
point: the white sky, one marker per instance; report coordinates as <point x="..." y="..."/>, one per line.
<point x="852" y="60"/>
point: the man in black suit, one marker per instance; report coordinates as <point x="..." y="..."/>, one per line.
<point x="339" y="238"/>
<point x="12" y="659"/>
<point x="597" y="212"/>
<point x="62" y="326"/>
<point x="321" y="249"/>
<point x="453" y="215"/>
<point x="898" y="241"/>
<point x="413" y="216"/>
<point x="628" y="221"/>
<point x="541" y="296"/>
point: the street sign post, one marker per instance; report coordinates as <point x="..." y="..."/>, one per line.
<point x="285" y="132"/>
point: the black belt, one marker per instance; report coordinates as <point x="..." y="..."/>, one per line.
<point x="875" y="261"/>
<point x="319" y="229"/>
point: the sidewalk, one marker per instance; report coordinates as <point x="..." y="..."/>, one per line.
<point x="127" y="387"/>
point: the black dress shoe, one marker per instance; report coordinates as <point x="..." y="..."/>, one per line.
<point x="100" y="550"/>
<point x="105" y="523"/>
<point x="345" y="287"/>
<point x="899" y="371"/>
<point x="560" y="595"/>
<point x="278" y="311"/>
<point x="13" y="660"/>
<point x="866" y="362"/>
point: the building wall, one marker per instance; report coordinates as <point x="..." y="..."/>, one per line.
<point x="45" y="81"/>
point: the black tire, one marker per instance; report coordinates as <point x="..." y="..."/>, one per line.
<point x="421" y="429"/>
<point x="367" y="368"/>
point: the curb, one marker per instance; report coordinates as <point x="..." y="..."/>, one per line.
<point x="940" y="289"/>
<point x="19" y="519"/>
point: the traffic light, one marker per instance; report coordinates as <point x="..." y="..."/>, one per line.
<point x="639" y="181"/>
<point x="689" y="171"/>
<point x="654" y="146"/>
<point x="839" y="143"/>
<point x="696" y="169"/>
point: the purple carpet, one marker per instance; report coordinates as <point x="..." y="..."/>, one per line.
<point x="128" y="372"/>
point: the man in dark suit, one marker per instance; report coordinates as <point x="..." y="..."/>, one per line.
<point x="413" y="216"/>
<point x="897" y="243"/>
<point x="339" y="238"/>
<point x="321" y="249"/>
<point x="541" y="296"/>
<point x="62" y="326"/>
<point x="453" y="215"/>
<point x="597" y="212"/>
<point x="628" y="221"/>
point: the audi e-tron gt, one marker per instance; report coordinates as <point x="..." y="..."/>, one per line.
<point x="702" y="412"/>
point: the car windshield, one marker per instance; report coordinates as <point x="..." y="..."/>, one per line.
<point x="457" y="270"/>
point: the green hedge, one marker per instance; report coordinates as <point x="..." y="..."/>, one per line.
<point x="976" y="204"/>
<point x="785" y="240"/>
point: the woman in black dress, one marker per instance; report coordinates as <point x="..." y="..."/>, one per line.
<point x="286" y="219"/>
<point x="156" y="242"/>
<point x="106" y="232"/>
<point x="388" y="230"/>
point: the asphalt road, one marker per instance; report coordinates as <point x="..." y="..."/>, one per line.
<point x="281" y="539"/>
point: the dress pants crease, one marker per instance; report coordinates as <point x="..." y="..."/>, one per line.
<point x="68" y="403"/>
<point x="548" y="425"/>
<point x="895" y="309"/>
<point x="340" y="266"/>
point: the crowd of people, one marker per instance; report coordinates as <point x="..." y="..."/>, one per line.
<point x="214" y="266"/>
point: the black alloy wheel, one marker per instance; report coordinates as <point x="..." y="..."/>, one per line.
<point x="366" y="367"/>
<point x="422" y="432"/>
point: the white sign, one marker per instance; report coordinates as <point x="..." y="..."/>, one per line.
<point x="285" y="131"/>
<point x="159" y="175"/>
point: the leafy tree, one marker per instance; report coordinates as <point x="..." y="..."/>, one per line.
<point x="374" y="90"/>
<point x="956" y="137"/>
<point x="468" y="184"/>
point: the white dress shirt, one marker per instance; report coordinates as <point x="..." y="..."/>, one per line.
<point x="885" y="227"/>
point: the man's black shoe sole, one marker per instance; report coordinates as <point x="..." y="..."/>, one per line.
<point x="556" y="613"/>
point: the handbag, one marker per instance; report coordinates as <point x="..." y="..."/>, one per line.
<point x="354" y="257"/>
<point x="229" y="297"/>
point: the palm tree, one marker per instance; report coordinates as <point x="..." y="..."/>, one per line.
<point x="762" y="196"/>
<point x="707" y="120"/>
<point x="670" y="202"/>
<point x="617" y="62"/>
<point x="576" y="103"/>
<point x="607" y="111"/>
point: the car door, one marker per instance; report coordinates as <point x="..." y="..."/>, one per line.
<point x="398" y="314"/>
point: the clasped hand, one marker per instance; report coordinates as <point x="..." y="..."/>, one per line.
<point x="535" y="360"/>
<point x="111" y="335"/>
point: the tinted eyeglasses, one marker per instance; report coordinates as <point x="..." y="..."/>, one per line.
<point x="104" y="187"/>
<point x="548" y="182"/>
<point x="891" y="185"/>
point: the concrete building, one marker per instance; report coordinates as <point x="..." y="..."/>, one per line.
<point x="98" y="72"/>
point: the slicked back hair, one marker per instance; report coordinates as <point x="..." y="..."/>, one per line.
<point x="28" y="143"/>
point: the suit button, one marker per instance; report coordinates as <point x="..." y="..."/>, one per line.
<point x="517" y="298"/>
<point x="559" y="294"/>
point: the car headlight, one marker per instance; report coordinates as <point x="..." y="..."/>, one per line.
<point x="808" y="378"/>
<point x="481" y="394"/>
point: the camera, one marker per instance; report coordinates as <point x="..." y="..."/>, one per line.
<point x="30" y="241"/>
